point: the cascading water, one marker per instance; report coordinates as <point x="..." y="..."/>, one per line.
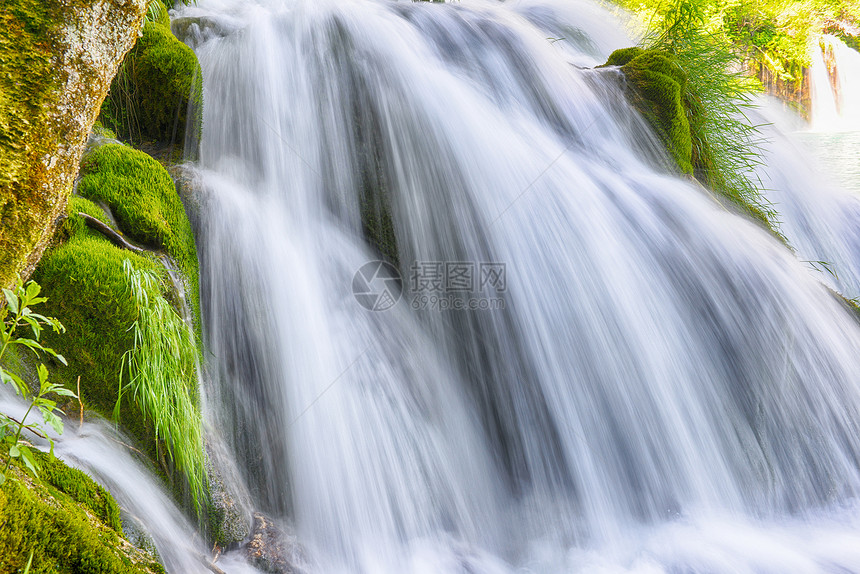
<point x="823" y="113"/>
<point x="657" y="386"/>
<point x="835" y="88"/>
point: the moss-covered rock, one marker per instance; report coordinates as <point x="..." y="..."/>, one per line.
<point x="70" y="523"/>
<point x="150" y="97"/>
<point x="87" y="289"/>
<point x="57" y="59"/>
<point x="658" y="88"/>
<point x="657" y="85"/>
<point x="84" y="278"/>
<point x="81" y="488"/>
<point x="143" y="199"/>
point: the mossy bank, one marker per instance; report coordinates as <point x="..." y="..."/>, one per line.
<point x="69" y="523"/>
<point x="157" y="87"/>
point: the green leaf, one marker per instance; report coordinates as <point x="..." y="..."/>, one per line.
<point x="53" y="420"/>
<point x="11" y="301"/>
<point x="60" y="358"/>
<point x="32" y="345"/>
<point x="29" y="562"/>
<point x="43" y="403"/>
<point x="34" y="325"/>
<point x="20" y="386"/>
<point x="64" y="392"/>
<point x="14" y="451"/>
<point x="33" y="290"/>
<point x="29" y="460"/>
<point x="43" y="373"/>
<point x="2" y="479"/>
<point x="56" y="325"/>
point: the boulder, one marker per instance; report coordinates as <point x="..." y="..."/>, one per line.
<point x="57" y="60"/>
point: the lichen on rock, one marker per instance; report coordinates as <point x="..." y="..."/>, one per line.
<point x="57" y="59"/>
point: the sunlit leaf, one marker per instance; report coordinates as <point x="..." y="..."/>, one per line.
<point x="33" y="290"/>
<point x="11" y="301"/>
<point x="29" y="460"/>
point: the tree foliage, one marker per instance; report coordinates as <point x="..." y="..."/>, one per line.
<point x="774" y="33"/>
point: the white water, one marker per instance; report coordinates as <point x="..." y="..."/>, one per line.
<point x="667" y="389"/>
<point x="835" y="92"/>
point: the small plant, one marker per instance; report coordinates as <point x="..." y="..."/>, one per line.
<point x="726" y="144"/>
<point x="161" y="374"/>
<point x="18" y="318"/>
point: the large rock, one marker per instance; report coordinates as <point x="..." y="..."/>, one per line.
<point x="57" y="60"/>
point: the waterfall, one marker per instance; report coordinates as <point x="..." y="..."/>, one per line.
<point x="835" y="86"/>
<point x="823" y="114"/>
<point x="633" y="380"/>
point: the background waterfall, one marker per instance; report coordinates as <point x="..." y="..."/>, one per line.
<point x="666" y="388"/>
<point x="835" y="86"/>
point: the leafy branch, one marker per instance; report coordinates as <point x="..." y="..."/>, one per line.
<point x="23" y="328"/>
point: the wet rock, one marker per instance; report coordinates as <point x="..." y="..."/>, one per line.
<point x="230" y="511"/>
<point x="273" y="548"/>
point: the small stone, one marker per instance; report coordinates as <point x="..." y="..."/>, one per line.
<point x="273" y="549"/>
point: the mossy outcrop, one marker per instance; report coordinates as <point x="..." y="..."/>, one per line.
<point x="658" y="87"/>
<point x="159" y="81"/>
<point x="85" y="280"/>
<point x="57" y="59"/>
<point x="70" y="523"/>
<point x="143" y="199"/>
<point x="86" y="286"/>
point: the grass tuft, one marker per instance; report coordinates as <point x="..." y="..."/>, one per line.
<point x="161" y="374"/>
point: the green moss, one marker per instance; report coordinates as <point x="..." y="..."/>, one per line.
<point x="658" y="89"/>
<point x="143" y="198"/>
<point x="622" y="56"/>
<point x="73" y="223"/>
<point x="149" y="99"/>
<point x="87" y="289"/>
<point x="81" y="488"/>
<point x="28" y="30"/>
<point x="64" y="537"/>
<point x="101" y="130"/>
<point x="157" y="13"/>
